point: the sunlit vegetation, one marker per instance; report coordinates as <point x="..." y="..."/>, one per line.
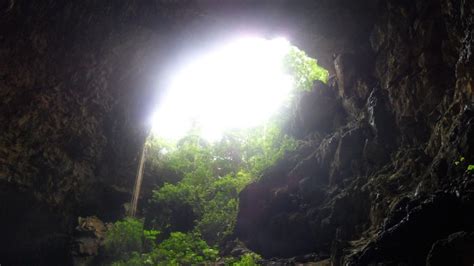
<point x="305" y="70"/>
<point x="194" y="212"/>
<point x="470" y="168"/>
<point x="212" y="175"/>
<point x="129" y="244"/>
<point x="461" y="162"/>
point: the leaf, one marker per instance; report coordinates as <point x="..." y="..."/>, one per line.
<point x="304" y="69"/>
<point x="470" y="168"/>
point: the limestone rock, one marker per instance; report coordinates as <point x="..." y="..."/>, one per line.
<point x="89" y="237"/>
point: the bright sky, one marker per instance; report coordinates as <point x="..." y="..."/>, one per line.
<point x="239" y="85"/>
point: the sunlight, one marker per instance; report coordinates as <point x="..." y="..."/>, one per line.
<point x="237" y="86"/>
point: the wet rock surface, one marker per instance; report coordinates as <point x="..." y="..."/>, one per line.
<point x="410" y="239"/>
<point x="384" y="188"/>
<point x="456" y="249"/>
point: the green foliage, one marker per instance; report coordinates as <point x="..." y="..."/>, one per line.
<point x="264" y="146"/>
<point x="305" y="70"/>
<point x="248" y="259"/>
<point x="462" y="163"/>
<point x="126" y="237"/>
<point x="128" y="243"/>
<point x="178" y="249"/>
<point x="213" y="174"/>
<point x="470" y="168"/>
<point x="184" y="249"/>
<point x="135" y="259"/>
<point x="219" y="210"/>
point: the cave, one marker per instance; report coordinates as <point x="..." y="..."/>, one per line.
<point x="385" y="175"/>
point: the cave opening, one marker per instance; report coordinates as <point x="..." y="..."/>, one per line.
<point x="220" y="124"/>
<point x="238" y="84"/>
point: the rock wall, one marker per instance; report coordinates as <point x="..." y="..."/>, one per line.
<point x="77" y="82"/>
<point x="383" y="188"/>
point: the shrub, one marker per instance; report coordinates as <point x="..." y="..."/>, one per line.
<point x="124" y="237"/>
<point x="184" y="249"/>
<point x="126" y="244"/>
<point x="247" y="259"/>
<point x="128" y="237"/>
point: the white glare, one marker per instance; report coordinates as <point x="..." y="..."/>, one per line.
<point x="237" y="86"/>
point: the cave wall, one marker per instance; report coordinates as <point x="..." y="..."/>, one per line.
<point x="77" y="82"/>
<point x="383" y="188"/>
<point x="79" y="79"/>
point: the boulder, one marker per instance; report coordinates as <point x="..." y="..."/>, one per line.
<point x="89" y="237"/>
